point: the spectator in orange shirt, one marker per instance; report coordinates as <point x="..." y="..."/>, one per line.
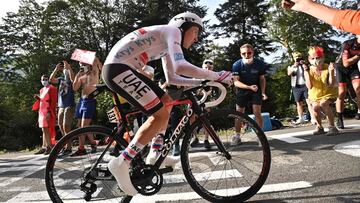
<point x="347" y="20"/>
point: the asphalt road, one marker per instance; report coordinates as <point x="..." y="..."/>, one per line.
<point x="305" y="168"/>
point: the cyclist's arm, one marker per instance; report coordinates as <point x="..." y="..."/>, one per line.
<point x="174" y="63"/>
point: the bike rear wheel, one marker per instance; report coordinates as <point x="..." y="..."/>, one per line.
<point x="86" y="177"/>
<point x="211" y="174"/>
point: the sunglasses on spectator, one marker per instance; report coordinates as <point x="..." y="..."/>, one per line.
<point x="246" y="53"/>
<point x="208" y="62"/>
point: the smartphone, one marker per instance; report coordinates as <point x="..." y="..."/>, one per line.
<point x="61" y="64"/>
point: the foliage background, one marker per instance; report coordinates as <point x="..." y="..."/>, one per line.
<point x="35" y="38"/>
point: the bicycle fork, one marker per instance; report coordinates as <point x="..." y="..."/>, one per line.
<point x="207" y="126"/>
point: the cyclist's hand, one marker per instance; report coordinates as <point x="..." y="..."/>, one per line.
<point x="225" y="77"/>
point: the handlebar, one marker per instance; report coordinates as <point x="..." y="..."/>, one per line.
<point x="218" y="100"/>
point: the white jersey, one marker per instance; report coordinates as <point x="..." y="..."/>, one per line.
<point x="160" y="41"/>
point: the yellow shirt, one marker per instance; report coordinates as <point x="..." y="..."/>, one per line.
<point x="320" y="90"/>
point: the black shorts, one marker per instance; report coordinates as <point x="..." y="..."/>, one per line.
<point x="300" y="93"/>
<point x="244" y="97"/>
<point x="345" y="74"/>
<point x="136" y="88"/>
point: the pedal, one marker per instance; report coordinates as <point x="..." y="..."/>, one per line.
<point x="167" y="169"/>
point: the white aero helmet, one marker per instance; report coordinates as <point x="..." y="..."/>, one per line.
<point x="186" y="17"/>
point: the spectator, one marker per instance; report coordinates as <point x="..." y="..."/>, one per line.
<point x="249" y="78"/>
<point x="320" y="81"/>
<point x="208" y="64"/>
<point x="66" y="101"/>
<point x="347" y="20"/>
<point x="347" y="69"/>
<point x="86" y="78"/>
<point x="47" y="115"/>
<point x="299" y="89"/>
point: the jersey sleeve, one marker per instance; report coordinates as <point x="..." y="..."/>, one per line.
<point x="235" y="69"/>
<point x="262" y="69"/>
<point x="175" y="65"/>
<point x="347" y="20"/>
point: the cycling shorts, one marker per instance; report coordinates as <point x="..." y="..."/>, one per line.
<point x="345" y="74"/>
<point x="136" y="88"/>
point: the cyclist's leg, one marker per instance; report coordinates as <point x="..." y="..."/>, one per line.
<point x="143" y="93"/>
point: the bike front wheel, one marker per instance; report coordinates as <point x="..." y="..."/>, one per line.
<point x="84" y="177"/>
<point x="213" y="174"/>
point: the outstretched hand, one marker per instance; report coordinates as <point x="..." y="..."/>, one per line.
<point x="296" y="5"/>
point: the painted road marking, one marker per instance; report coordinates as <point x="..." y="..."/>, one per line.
<point x="349" y="148"/>
<point x="292" y="137"/>
<point x="214" y="175"/>
<point x="43" y="196"/>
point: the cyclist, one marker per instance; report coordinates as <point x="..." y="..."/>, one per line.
<point x="347" y="69"/>
<point x="120" y="73"/>
<point x="347" y="20"/>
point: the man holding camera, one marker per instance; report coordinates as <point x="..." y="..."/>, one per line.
<point x="348" y="70"/>
<point x="66" y="101"/>
<point x="299" y="89"/>
<point x="86" y="79"/>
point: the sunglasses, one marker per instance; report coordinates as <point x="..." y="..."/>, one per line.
<point x="246" y="53"/>
<point x="208" y="62"/>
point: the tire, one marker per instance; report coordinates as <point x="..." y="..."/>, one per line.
<point x="64" y="175"/>
<point x="217" y="179"/>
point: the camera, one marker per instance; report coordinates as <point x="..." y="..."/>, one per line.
<point x="299" y="59"/>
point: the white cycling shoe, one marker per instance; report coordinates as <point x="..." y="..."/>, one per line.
<point x="120" y="170"/>
<point x="169" y="161"/>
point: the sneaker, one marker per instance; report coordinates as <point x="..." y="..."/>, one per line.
<point x="176" y="150"/>
<point x="194" y="141"/>
<point x="93" y="148"/>
<point x="357" y="116"/>
<point x="119" y="168"/>
<point x="299" y="121"/>
<point x="79" y="152"/>
<point x="41" y="151"/>
<point x="65" y="152"/>
<point x="319" y="131"/>
<point x="207" y="144"/>
<point x="340" y="123"/>
<point x="236" y="140"/>
<point x="48" y="150"/>
<point x="332" y="130"/>
<point x="168" y="161"/>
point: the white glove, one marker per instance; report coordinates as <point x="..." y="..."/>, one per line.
<point x="225" y="77"/>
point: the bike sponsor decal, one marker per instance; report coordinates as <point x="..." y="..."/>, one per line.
<point x="137" y="89"/>
<point x="177" y="132"/>
<point x="125" y="52"/>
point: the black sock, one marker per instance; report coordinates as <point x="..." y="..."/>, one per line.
<point x="339" y="115"/>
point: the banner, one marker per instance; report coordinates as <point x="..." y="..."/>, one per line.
<point x="83" y="56"/>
